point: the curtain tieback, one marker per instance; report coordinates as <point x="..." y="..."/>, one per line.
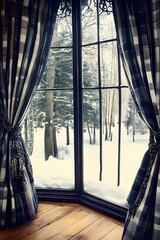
<point x="17" y="167"/>
<point x="14" y="132"/>
<point x="154" y="140"/>
<point x="154" y="147"/>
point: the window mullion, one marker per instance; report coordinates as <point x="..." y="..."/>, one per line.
<point x="100" y="95"/>
<point x="120" y="119"/>
<point x="77" y="83"/>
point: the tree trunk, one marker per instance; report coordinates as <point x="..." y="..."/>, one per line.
<point x="67" y="135"/>
<point x="48" y="143"/>
<point x="133" y="125"/>
<point x="94" y="135"/>
<point x="106" y="130"/>
<point x="51" y="148"/>
<point x="110" y="131"/>
<point x="90" y="137"/>
<point x="105" y="118"/>
<point x="133" y="133"/>
<point x="55" y="148"/>
<point x="106" y="133"/>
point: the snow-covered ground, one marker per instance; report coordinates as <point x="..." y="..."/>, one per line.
<point x="59" y="173"/>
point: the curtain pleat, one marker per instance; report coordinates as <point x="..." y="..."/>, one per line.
<point x="137" y="24"/>
<point x="26" y="29"/>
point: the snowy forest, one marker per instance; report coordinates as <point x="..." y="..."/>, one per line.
<point x="52" y="110"/>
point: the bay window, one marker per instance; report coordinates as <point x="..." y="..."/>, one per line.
<point x="82" y="130"/>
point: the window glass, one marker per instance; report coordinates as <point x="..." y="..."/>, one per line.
<point x="107" y="188"/>
<point x="114" y="137"/>
<point x="62" y="35"/>
<point x="107" y="26"/>
<point x="112" y="129"/>
<point x="89" y="23"/>
<point x="109" y="64"/>
<point x="118" y="171"/>
<point x="91" y="138"/>
<point x="134" y="141"/>
<point x="48" y="129"/>
<point x="59" y="69"/>
<point x="90" y="66"/>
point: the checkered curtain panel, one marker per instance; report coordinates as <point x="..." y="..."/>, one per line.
<point x="138" y="32"/>
<point x="26" y="28"/>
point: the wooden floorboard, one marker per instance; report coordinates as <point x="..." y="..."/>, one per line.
<point x="63" y="221"/>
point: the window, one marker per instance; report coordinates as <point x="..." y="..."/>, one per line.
<point x="82" y="131"/>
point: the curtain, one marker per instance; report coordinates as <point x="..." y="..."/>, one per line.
<point x="138" y="31"/>
<point x="26" y="28"/>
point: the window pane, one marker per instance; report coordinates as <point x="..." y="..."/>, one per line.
<point x="49" y="126"/>
<point x="107" y="188"/>
<point x="59" y="69"/>
<point x="109" y="64"/>
<point x="91" y="127"/>
<point x="123" y="75"/>
<point x="89" y="66"/>
<point x="107" y="27"/>
<point x="62" y="35"/>
<point x="134" y="141"/>
<point x="110" y="145"/>
<point x="53" y="142"/>
<point x="89" y="23"/>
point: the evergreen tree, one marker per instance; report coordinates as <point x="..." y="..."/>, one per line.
<point x="59" y="76"/>
<point x="54" y="109"/>
<point x="132" y="122"/>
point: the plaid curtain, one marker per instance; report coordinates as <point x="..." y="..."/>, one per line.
<point x="138" y="31"/>
<point x="26" y="28"/>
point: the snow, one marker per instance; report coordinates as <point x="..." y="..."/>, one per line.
<point x="53" y="173"/>
<point x="59" y="173"/>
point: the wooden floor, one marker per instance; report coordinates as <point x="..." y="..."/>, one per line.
<point x="62" y="221"/>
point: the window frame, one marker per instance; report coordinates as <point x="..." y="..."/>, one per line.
<point x="78" y="194"/>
